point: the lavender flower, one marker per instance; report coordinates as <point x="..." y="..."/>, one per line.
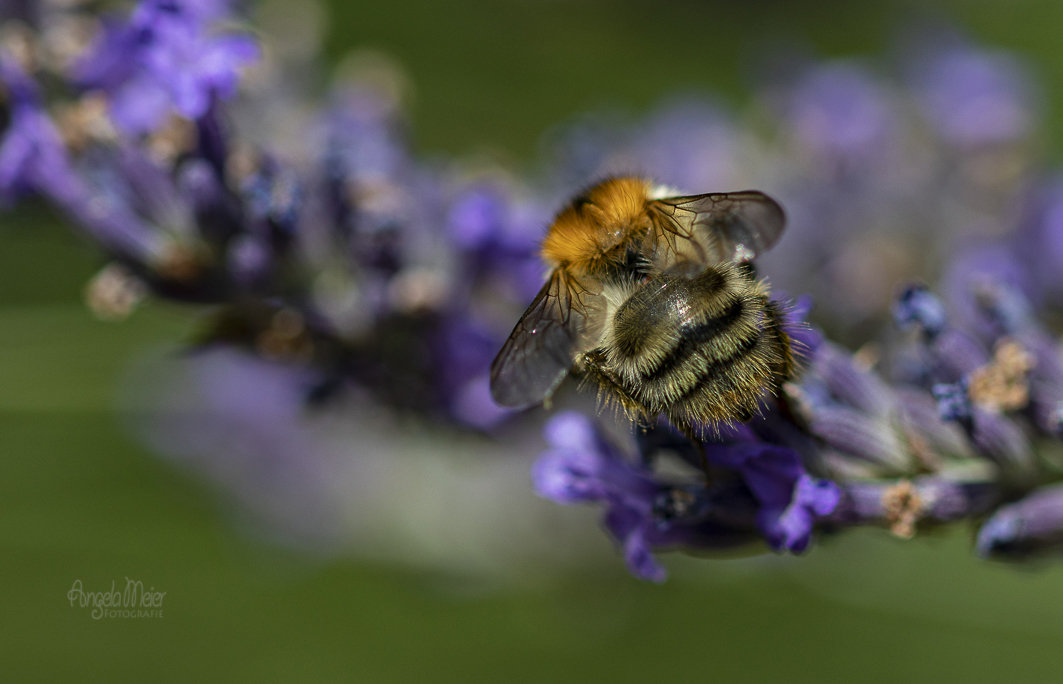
<point x="343" y="271"/>
<point x="33" y="157"/>
<point x="582" y="467"/>
<point x="163" y="58"/>
<point x="1033" y="525"/>
<point x="903" y="504"/>
<point x="239" y="420"/>
<point x="769" y="492"/>
<point x="790" y="499"/>
<point x="841" y="114"/>
<point x="972" y="96"/>
<point x="916" y="306"/>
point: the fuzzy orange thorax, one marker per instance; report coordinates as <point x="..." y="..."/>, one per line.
<point x="597" y="226"/>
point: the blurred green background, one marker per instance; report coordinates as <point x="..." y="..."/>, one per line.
<point x="80" y="500"/>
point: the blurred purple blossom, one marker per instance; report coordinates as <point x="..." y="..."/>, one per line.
<point x="689" y="143"/>
<point x="33" y="157"/>
<point x="164" y="58"/>
<point x="974" y="96"/>
<point x="842" y="113"/>
<point x="240" y="420"/>
<point x="917" y="307"/>
<point x="1032" y="525"/>
<point x="581" y="467"/>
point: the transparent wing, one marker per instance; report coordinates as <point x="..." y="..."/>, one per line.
<point x="539" y="352"/>
<point x="711" y="228"/>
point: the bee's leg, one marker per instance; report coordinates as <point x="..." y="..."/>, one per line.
<point x="592" y="365"/>
<point x="787" y="367"/>
<point x="787" y="410"/>
<point x="699" y="448"/>
<point x="773" y="324"/>
<point x="645" y="439"/>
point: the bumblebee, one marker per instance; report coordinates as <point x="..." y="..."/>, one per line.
<point x="654" y="299"/>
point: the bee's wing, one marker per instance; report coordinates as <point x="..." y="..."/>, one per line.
<point x="539" y="352"/>
<point x="718" y="226"/>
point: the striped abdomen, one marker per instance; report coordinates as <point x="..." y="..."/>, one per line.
<point x="700" y="350"/>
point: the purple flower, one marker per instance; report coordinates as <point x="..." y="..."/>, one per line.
<point x="390" y="280"/>
<point x="131" y="206"/>
<point x="973" y="96"/>
<point x="162" y="59"/>
<point x="931" y="436"/>
<point x="953" y="403"/>
<point x="33" y="157"/>
<point x="954" y="358"/>
<point x="198" y="182"/>
<point x="790" y="499"/>
<point x="1045" y="380"/>
<point x="917" y="306"/>
<point x="840" y="111"/>
<point x="477" y="217"/>
<point x="243" y="423"/>
<point x="465" y="352"/>
<point x="902" y="505"/>
<point x="582" y="467"/>
<point x="1040" y="243"/>
<point x="854" y="412"/>
<point x="1031" y="525"/>
<point x="689" y="144"/>
<point x="1006" y="444"/>
<point x="643" y="513"/>
<point x="497" y="238"/>
<point x="851" y="435"/>
<point x="249" y="260"/>
<point x="273" y="194"/>
<point x="990" y="288"/>
<point x="791" y="527"/>
<point x="849" y="384"/>
<point x="949" y="354"/>
<point x="366" y="143"/>
<point x="472" y="404"/>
